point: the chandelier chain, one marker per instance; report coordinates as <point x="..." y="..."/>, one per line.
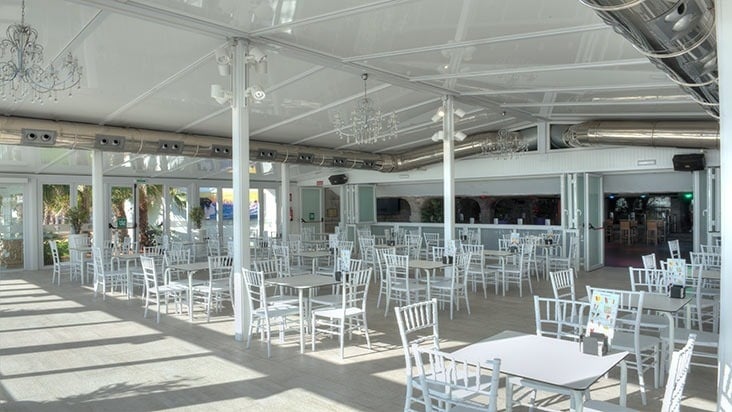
<point x="365" y="124"/>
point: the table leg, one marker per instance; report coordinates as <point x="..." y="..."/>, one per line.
<point x="190" y="295"/>
<point x="578" y="400"/>
<point x="623" y="383"/>
<point x="302" y="319"/>
<point x="671" y="344"/>
<point x="129" y="279"/>
<point x="429" y="292"/>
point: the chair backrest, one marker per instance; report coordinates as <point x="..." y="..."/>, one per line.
<point x="707" y="260"/>
<point x="710" y="249"/>
<point x="418" y="324"/>
<point x="414" y="243"/>
<point x="213" y="247"/>
<point x="674" y="249"/>
<point x="177" y="256"/>
<point x="54" y="253"/>
<point x="560" y="318"/>
<point x="256" y="292"/>
<point x="355" y="289"/>
<point x="98" y="259"/>
<point x="152" y="250"/>
<point x="677" y="372"/>
<point x="460" y="270"/>
<point x="268" y="267"/>
<point x="380" y="260"/>
<point x="442" y="376"/>
<point x="438" y="252"/>
<point x="648" y="280"/>
<point x="397" y="266"/>
<point x="149" y="272"/>
<point x="563" y="284"/>
<point x="605" y="305"/>
<point x="219" y="267"/>
<point x="649" y="261"/>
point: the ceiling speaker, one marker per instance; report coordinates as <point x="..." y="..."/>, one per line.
<point x="338" y="179"/>
<point x="689" y="162"/>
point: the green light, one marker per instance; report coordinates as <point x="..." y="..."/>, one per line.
<point x="688" y="196"/>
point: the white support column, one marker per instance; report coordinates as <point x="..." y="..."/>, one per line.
<point x="33" y="228"/>
<point x="98" y="226"/>
<point x="285" y="200"/>
<point x="542" y="137"/>
<point x="448" y="170"/>
<point x="240" y="182"/>
<point x="724" y="61"/>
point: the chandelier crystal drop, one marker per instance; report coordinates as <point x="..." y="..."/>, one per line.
<point x="366" y="124"/>
<point x="505" y="146"/>
<point x="23" y="75"/>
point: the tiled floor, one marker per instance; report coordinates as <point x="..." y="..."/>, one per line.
<point x="62" y="350"/>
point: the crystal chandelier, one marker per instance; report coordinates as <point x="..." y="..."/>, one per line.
<point x="366" y="123"/>
<point x="23" y="76"/>
<point x="505" y="145"/>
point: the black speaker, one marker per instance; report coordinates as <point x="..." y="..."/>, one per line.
<point x="689" y="162"/>
<point x="338" y="179"/>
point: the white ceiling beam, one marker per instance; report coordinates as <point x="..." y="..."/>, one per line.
<point x="573" y="89"/>
<point x="175" y="76"/>
<point x="604" y="103"/>
<point x="534" y="69"/>
<point x="64" y="154"/>
<point x="331" y="16"/>
<point x="479" y="42"/>
<point x="272" y="89"/>
<point x="581" y="117"/>
<point x="85" y="31"/>
<point x="179" y="21"/>
<point x="318" y="110"/>
<point x="403" y="109"/>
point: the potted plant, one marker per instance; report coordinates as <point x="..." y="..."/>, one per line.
<point x="196" y="216"/>
<point x="77" y="216"/>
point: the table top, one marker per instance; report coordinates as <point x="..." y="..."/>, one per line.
<point x="663" y="303"/>
<point x="303" y="281"/>
<point x="538" y="358"/>
<point x="384" y="246"/>
<point x="128" y="256"/>
<point x="659" y="302"/>
<point x="712" y="274"/>
<point x="190" y="267"/>
<point x="498" y="253"/>
<point x="427" y="264"/>
<point x="313" y="253"/>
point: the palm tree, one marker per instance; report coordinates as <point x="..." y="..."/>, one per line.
<point x="147" y="196"/>
<point x="55" y="203"/>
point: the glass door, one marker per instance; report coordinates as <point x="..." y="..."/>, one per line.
<point x="56" y="200"/>
<point x="593" y="220"/>
<point x="178" y="213"/>
<point x="150" y="207"/>
<point x="11" y="226"/>
<point x="123" y="213"/>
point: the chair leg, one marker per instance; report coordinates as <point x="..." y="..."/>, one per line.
<point x="366" y="331"/>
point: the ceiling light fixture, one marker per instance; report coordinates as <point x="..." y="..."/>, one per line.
<point x="219" y="94"/>
<point x="460" y="113"/>
<point x="366" y="124"/>
<point x="223" y="60"/>
<point x="440" y="135"/>
<point x="505" y="146"/>
<point x="23" y="75"/>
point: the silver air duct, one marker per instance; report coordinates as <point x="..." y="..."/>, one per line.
<point x="695" y="135"/>
<point x="678" y="36"/>
<point x="81" y="136"/>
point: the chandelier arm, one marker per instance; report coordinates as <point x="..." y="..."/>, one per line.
<point x="23" y="74"/>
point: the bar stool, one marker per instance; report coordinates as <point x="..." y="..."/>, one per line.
<point x="625" y="232"/>
<point x="652" y="232"/>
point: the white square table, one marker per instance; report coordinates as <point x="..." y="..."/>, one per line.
<point x="550" y="361"/>
<point x="314" y="255"/>
<point x="190" y="269"/>
<point x="302" y="283"/>
<point x="428" y="267"/>
<point x="501" y="255"/>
